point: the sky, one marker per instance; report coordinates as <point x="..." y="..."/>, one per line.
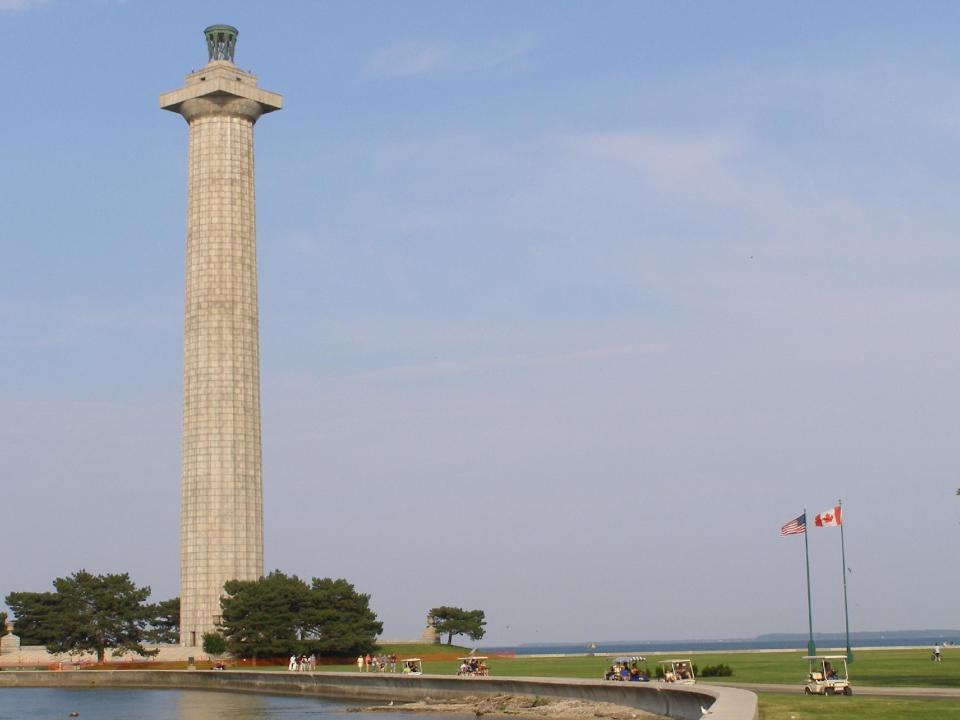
<point x="565" y="308"/>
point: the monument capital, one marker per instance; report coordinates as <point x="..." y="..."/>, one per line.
<point x="220" y="82"/>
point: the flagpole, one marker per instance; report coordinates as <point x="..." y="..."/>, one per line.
<point x="811" y="646"/>
<point x="843" y="556"/>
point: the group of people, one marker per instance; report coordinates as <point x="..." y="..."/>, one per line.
<point x="625" y="672"/>
<point x="473" y="666"/>
<point x="302" y="663"/>
<point x="681" y="671"/>
<point x="373" y="663"/>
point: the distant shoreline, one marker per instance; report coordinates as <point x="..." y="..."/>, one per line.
<point x="761" y="644"/>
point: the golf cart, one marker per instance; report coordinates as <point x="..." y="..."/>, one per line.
<point x="678" y="671"/>
<point x="411" y="666"/>
<point x="474" y="666"/>
<point x="825" y="677"/>
<point x="624" y="667"/>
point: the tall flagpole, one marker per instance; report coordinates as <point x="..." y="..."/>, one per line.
<point x="843" y="556"/>
<point x="811" y="646"/>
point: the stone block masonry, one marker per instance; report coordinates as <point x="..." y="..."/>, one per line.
<point x="221" y="515"/>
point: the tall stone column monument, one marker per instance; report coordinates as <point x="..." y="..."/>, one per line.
<point x="221" y="511"/>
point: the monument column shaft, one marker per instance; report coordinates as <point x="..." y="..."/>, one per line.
<point x="221" y="496"/>
<point x="221" y="502"/>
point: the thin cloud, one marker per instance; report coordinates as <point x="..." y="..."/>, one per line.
<point x="408" y="59"/>
<point x="673" y="158"/>
<point x="412" y="58"/>
<point x="20" y="5"/>
<point x="26" y="5"/>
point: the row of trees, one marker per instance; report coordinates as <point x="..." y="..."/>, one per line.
<point x="277" y="615"/>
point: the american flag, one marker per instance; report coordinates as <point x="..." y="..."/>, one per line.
<point x="797" y="526"/>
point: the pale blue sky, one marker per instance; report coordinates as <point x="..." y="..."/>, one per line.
<point x="565" y="307"/>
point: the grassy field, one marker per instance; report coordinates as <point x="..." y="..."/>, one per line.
<point x="911" y="668"/>
<point x="801" y="707"/>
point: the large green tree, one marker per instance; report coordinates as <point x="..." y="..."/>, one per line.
<point x="259" y="618"/>
<point x="280" y="615"/>
<point x="88" y="613"/>
<point x="34" y="613"/>
<point x="338" y="620"/>
<point x="457" y="621"/>
<point x="164" y="622"/>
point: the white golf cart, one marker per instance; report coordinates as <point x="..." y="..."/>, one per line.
<point x="411" y="666"/>
<point x="825" y="676"/>
<point x="474" y="666"/>
<point x="678" y="671"/>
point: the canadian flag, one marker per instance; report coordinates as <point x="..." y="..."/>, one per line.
<point x="829" y="518"/>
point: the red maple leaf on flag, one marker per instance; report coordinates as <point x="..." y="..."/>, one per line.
<point x="829" y="518"/>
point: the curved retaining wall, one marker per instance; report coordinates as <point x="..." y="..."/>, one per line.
<point x="682" y="702"/>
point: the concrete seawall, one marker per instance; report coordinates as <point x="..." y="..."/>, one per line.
<point x="684" y="702"/>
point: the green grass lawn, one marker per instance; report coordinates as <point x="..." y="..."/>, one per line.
<point x="910" y="668"/>
<point x="813" y="707"/>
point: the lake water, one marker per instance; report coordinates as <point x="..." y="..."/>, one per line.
<point x="720" y="646"/>
<point x="120" y="704"/>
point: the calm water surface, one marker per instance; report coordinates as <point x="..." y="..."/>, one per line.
<point x="118" y="704"/>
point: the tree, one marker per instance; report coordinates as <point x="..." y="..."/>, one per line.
<point x="457" y="621"/>
<point x="338" y="620"/>
<point x="260" y="618"/>
<point x="164" y="622"/>
<point x="3" y="624"/>
<point x="214" y="643"/>
<point x="34" y="613"/>
<point x="88" y="613"/>
<point x="281" y="615"/>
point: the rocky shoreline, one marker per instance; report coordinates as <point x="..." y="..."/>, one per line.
<point x="518" y="706"/>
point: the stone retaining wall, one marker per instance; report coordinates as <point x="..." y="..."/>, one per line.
<point x="682" y="702"/>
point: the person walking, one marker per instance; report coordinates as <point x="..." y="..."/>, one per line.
<point x="366" y="662"/>
<point x="293" y="663"/>
<point x="359" y="663"/>
<point x="936" y="653"/>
